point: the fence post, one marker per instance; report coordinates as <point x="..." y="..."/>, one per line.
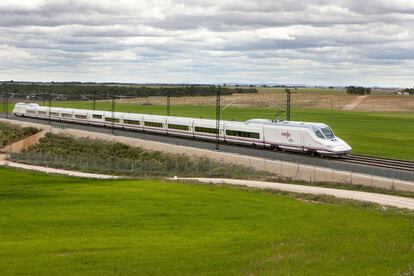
<point x="281" y="167"/>
<point x="314" y="174"/>
<point x="352" y="171"/>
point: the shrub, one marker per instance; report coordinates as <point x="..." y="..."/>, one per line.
<point x="358" y="90"/>
<point x="12" y="133"/>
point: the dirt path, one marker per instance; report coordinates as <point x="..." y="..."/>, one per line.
<point x="384" y="200"/>
<point x="355" y="103"/>
<point x="55" y="171"/>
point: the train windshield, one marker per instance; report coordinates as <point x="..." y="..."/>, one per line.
<point x="328" y="133"/>
<point x="319" y="134"/>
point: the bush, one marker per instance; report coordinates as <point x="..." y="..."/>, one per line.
<point x="358" y="90"/>
<point x="409" y="91"/>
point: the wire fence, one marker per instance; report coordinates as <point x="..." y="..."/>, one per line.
<point x="200" y="167"/>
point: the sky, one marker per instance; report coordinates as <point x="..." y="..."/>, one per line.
<point x="313" y="42"/>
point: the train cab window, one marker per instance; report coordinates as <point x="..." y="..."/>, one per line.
<point x="153" y="124"/>
<point x="319" y="134"/>
<point x="97" y="116"/>
<point x="180" y="127"/>
<point x="132" y="122"/>
<point x="328" y="133"/>
<point x="112" y="120"/>
<point x="246" y="134"/>
<point x="83" y="117"/>
<point x="206" y="130"/>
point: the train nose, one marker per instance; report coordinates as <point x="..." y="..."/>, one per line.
<point x="343" y="147"/>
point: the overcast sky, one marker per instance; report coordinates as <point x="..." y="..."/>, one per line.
<point x="320" y="42"/>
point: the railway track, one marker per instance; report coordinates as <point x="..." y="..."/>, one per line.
<point x="362" y="164"/>
<point x="380" y="162"/>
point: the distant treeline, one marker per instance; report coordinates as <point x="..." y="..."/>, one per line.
<point x="409" y="91"/>
<point x="358" y="90"/>
<point x="77" y="92"/>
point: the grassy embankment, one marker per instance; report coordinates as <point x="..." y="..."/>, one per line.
<point x="378" y="134"/>
<point x="11" y="133"/>
<point x="51" y="225"/>
<point x="66" y="152"/>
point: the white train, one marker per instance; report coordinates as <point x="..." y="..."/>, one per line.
<point x="314" y="138"/>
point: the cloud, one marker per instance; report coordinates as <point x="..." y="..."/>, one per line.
<point x="209" y="41"/>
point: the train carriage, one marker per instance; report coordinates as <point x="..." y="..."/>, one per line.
<point x="207" y="129"/>
<point x="133" y="121"/>
<point x="155" y="123"/>
<point x="242" y="133"/>
<point x="180" y="126"/>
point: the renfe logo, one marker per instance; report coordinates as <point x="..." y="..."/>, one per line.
<point x="285" y="134"/>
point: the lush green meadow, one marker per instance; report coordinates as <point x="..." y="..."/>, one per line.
<point x="380" y="134"/>
<point x="52" y="225"/>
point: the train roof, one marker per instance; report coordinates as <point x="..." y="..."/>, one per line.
<point x="251" y="123"/>
<point x="285" y="123"/>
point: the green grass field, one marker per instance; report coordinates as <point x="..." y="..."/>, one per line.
<point x="52" y="225"/>
<point x="379" y="134"/>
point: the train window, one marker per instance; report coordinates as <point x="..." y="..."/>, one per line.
<point x="42" y="112"/>
<point x="153" y="124"/>
<point x="246" y="134"/>
<point x="180" y="127"/>
<point x="112" y="120"/>
<point x="206" y="130"/>
<point x="97" y="116"/>
<point x="54" y="114"/>
<point x="319" y="134"/>
<point x="328" y="133"/>
<point x="78" y="116"/>
<point x="66" y="115"/>
<point x="132" y="122"/>
<point x="30" y="111"/>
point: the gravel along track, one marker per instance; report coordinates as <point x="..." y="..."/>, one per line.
<point x="330" y="163"/>
<point x="380" y="162"/>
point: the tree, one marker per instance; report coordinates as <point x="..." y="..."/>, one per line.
<point x="358" y="90"/>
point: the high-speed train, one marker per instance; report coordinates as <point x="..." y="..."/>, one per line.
<point x="314" y="138"/>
